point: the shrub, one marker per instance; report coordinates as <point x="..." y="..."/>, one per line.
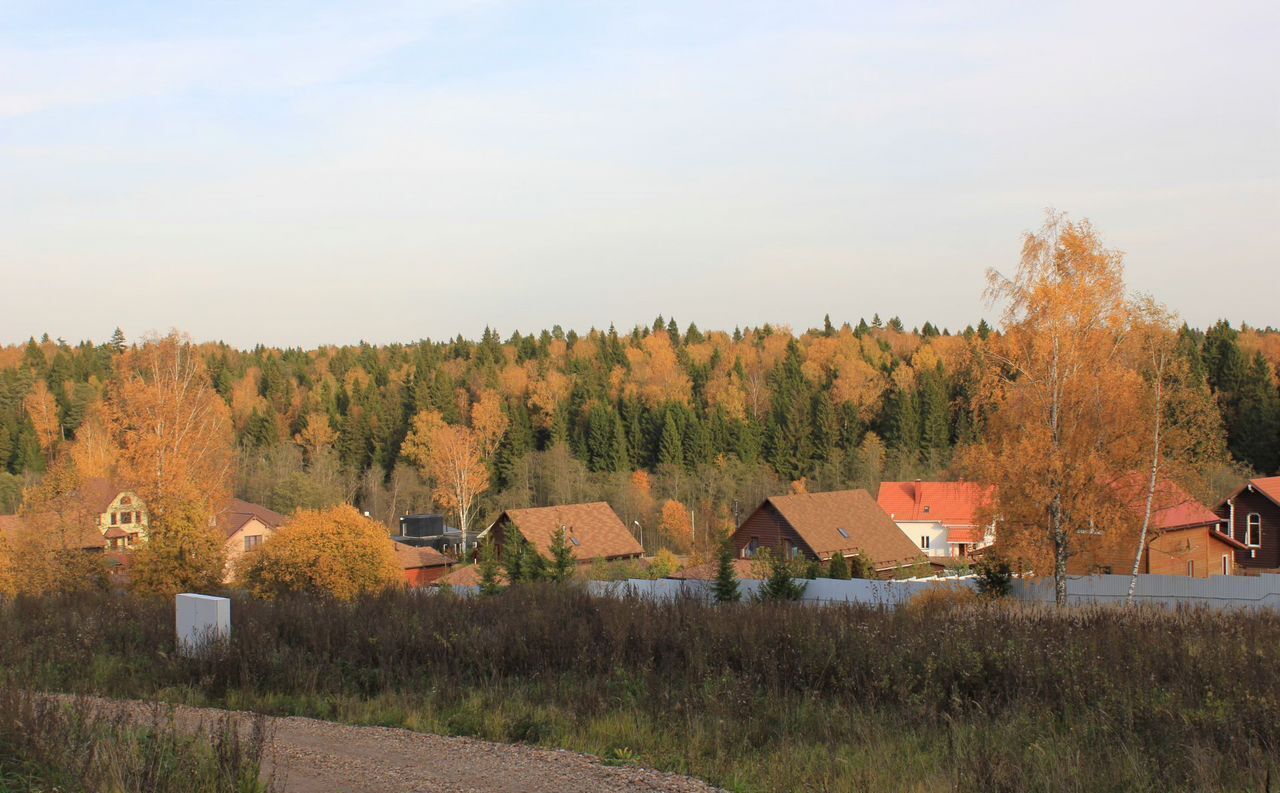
<point x="941" y="597"/>
<point x="839" y="568"/>
<point x="994" y="577"/>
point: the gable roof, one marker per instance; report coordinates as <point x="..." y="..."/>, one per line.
<point x="1268" y="486"/>
<point x="86" y="537"/>
<point x="743" y="569"/>
<point x="819" y="517"/>
<point x="949" y="503"/>
<point x="595" y="531"/>
<point x="97" y="492"/>
<point x="1171" y="506"/>
<point x="237" y="513"/>
<point x="412" y="557"/>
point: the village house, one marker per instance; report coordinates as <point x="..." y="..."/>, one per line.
<point x="1184" y="537"/>
<point x="941" y="518"/>
<point x="1252" y="517"/>
<point x="245" y="527"/>
<point x="422" y="565"/>
<point x="817" y="526"/>
<point x="594" y="531"/>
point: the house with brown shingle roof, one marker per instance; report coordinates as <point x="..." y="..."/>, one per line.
<point x="594" y="530"/>
<point x="818" y="526"/>
<point x="244" y="527"/>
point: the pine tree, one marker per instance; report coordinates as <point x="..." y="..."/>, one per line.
<point x="828" y="330"/>
<point x="839" y="567"/>
<point x="826" y="427"/>
<point x="117" y="343"/>
<point x="726" y="586"/>
<point x="562" y="564"/>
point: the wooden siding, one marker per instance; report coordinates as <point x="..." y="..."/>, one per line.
<point x="1166" y="554"/>
<point x="769" y="529"/>
<point x="423" y="576"/>
<point x="1268" y="555"/>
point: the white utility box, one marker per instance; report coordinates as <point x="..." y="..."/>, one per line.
<point x="201" y="619"/>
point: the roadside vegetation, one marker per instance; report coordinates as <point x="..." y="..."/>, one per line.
<point x="961" y="694"/>
<point x="80" y="746"/>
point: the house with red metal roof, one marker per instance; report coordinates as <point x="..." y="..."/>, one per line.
<point x="1184" y="537"/>
<point x="941" y="518"/>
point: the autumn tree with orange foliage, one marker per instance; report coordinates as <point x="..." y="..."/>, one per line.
<point x="50" y="551"/>
<point x="43" y="411"/>
<point x="174" y="437"/>
<point x="316" y="436"/>
<point x="336" y="552"/>
<point x="674" y="523"/>
<point x="452" y="456"/>
<point x="1063" y="403"/>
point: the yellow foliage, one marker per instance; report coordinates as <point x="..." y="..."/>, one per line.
<point x="941" y="597"/>
<point x="337" y="552"/>
<point x="43" y="411"/>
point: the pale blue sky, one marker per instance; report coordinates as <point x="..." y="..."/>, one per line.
<point x="296" y="173"/>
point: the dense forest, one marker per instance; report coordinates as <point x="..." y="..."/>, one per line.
<point x="670" y="426"/>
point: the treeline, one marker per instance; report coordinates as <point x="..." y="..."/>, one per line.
<point x="710" y="419"/>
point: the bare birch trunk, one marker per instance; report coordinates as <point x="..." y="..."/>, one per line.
<point x="1157" y="423"/>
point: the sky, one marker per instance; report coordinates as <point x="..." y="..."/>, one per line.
<point x="311" y="173"/>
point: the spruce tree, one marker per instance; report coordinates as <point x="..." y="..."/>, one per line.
<point x="562" y="564"/>
<point x="1254" y="437"/>
<point x="671" y="442"/>
<point x="489" y="568"/>
<point x="781" y="584"/>
<point x="839" y="567"/>
<point x="117" y="343"/>
<point x="726" y="586"/>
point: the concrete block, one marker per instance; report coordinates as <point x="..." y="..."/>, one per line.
<point x="201" y="619"/>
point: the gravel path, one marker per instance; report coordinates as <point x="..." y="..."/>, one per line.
<point x="310" y="756"/>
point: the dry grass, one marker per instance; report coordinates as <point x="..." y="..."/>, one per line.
<point x="751" y="696"/>
<point x="81" y="747"/>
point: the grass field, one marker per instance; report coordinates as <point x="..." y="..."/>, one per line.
<point x="754" y="697"/>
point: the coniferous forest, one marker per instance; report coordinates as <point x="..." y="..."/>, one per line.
<point x="681" y="430"/>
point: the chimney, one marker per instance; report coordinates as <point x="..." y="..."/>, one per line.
<point x="919" y="493"/>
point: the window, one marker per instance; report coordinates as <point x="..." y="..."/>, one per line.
<point x="574" y="540"/>
<point x="253" y="541"/>
<point x="926" y="509"/>
<point x="1226" y="565"/>
<point x="1253" y="530"/>
<point x="924" y="542"/>
<point x="126" y="517"/>
<point x="752" y="547"/>
<point x="125" y="501"/>
<point x="843" y="533"/>
<point x="1191" y="568"/>
<point x="114" y="518"/>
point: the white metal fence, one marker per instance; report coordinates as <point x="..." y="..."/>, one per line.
<point x="1218" y="591"/>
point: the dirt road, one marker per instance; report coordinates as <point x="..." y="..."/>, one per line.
<point x="310" y="756"/>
